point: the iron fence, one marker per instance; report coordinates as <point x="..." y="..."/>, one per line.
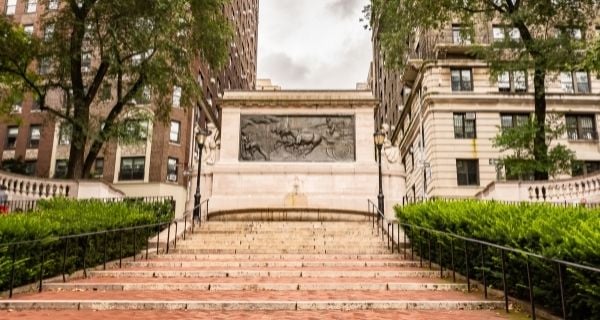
<point x="60" y="256"/>
<point x="519" y="273"/>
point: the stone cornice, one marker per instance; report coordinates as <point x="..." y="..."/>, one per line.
<point x="296" y="98"/>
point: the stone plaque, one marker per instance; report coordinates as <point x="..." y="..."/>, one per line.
<point x="323" y="138"/>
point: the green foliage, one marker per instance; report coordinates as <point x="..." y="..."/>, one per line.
<point x="565" y="233"/>
<point x="129" y="46"/>
<point x="520" y="141"/>
<point x="63" y="217"/>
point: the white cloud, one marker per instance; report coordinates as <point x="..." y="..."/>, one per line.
<point x="313" y="44"/>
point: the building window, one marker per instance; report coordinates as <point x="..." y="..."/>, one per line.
<point x="106" y="92"/>
<point x="584" y="168"/>
<point x="28" y="28"/>
<point x="512" y="81"/>
<point x="11" y="137"/>
<point x="174" y="134"/>
<point x="31" y="6"/>
<point x="575" y="82"/>
<point x="44" y="66"/>
<point x="30" y="167"/>
<point x="176" y="97"/>
<point x="98" y="168"/>
<point x="86" y="61"/>
<point x="467" y="172"/>
<point x="581" y="127"/>
<point x="462" y="80"/>
<point x="17" y="107"/>
<point x="60" y="169"/>
<point x="458" y="36"/>
<point x="53" y="4"/>
<point x="464" y="126"/>
<point x="11" y="7"/>
<point x="499" y="33"/>
<point x="64" y="134"/>
<point x="48" y="32"/>
<point x="35" y="133"/>
<point x="132" y="169"/>
<point x="508" y="121"/>
<point x="172" y="170"/>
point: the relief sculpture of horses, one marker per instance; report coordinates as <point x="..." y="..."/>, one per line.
<point x="299" y="142"/>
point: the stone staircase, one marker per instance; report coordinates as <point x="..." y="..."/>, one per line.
<point x="262" y="270"/>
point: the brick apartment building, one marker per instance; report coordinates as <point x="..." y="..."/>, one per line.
<point x="167" y="152"/>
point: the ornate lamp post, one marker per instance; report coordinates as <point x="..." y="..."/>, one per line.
<point x="379" y="138"/>
<point x="200" y="140"/>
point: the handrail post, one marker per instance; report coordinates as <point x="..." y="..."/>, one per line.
<point x="452" y="259"/>
<point x="120" y="249"/>
<point x="147" y="243"/>
<point x="421" y="248"/>
<point x="85" y="244"/>
<point x="440" y="259"/>
<point x="485" y="292"/>
<point x="105" y="249"/>
<point x="134" y="243"/>
<point x="64" y="264"/>
<point x="503" y="258"/>
<point x="467" y="266"/>
<point x="530" y="284"/>
<point x="175" y="238"/>
<point x="562" y="291"/>
<point x="168" y="236"/>
<point x="429" y="248"/>
<point x="405" y="244"/>
<point x="184" y="226"/>
<point x="41" y="270"/>
<point x="12" y="271"/>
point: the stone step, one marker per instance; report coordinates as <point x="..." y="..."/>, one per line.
<point x="285" y="263"/>
<point x="281" y="251"/>
<point x="252" y="305"/>
<point x="261" y="314"/>
<point x="326" y="273"/>
<point x="262" y="285"/>
<point x="275" y="257"/>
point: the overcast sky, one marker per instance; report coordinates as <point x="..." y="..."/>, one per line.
<point x="313" y="44"/>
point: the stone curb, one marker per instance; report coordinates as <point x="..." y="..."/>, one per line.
<point x="267" y="264"/>
<point x="266" y="273"/>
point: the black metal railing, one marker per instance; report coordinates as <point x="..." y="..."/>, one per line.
<point x="60" y="256"/>
<point x="487" y="263"/>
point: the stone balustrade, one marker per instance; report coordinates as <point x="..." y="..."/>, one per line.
<point x="579" y="189"/>
<point x="32" y="188"/>
<point x="23" y="187"/>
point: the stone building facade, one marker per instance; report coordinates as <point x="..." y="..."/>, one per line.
<point x="451" y="108"/>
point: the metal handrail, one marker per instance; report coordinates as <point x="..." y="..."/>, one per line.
<point x="561" y="264"/>
<point x="67" y="238"/>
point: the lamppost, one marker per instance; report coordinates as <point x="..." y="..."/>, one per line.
<point x="200" y="140"/>
<point x="379" y="138"/>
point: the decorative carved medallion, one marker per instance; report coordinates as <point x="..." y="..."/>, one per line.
<point x="323" y="138"/>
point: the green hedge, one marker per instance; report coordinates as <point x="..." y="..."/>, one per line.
<point x="565" y="233"/>
<point x="63" y="217"/>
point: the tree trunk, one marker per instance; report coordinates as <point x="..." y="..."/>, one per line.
<point x="91" y="158"/>
<point x="540" y="148"/>
<point x="76" y="155"/>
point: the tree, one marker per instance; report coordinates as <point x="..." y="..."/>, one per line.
<point x="549" y="39"/>
<point x="520" y="160"/>
<point x="127" y="48"/>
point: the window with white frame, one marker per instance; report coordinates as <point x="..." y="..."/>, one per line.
<point x="172" y="164"/>
<point x="53" y="4"/>
<point x="512" y="81"/>
<point x="60" y="169"/>
<point x="31" y="6"/>
<point x="176" y="96"/>
<point x="459" y="36"/>
<point x="462" y="79"/>
<point x="175" y="134"/>
<point x="132" y="168"/>
<point x="575" y="82"/>
<point x="11" y="7"/>
<point x="35" y="133"/>
<point x="28" y="28"/>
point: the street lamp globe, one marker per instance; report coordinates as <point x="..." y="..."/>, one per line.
<point x="379" y="138"/>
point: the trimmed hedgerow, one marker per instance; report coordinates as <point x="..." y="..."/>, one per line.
<point x="57" y="218"/>
<point x="565" y="233"/>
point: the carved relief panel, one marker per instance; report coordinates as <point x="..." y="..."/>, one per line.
<point x="323" y="138"/>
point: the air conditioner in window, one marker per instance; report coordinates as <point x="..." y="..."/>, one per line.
<point x="172" y="177"/>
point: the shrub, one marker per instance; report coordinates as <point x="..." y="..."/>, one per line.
<point x="61" y="217"/>
<point x="565" y="233"/>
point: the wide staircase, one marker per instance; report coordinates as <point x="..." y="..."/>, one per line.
<point x="262" y="270"/>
